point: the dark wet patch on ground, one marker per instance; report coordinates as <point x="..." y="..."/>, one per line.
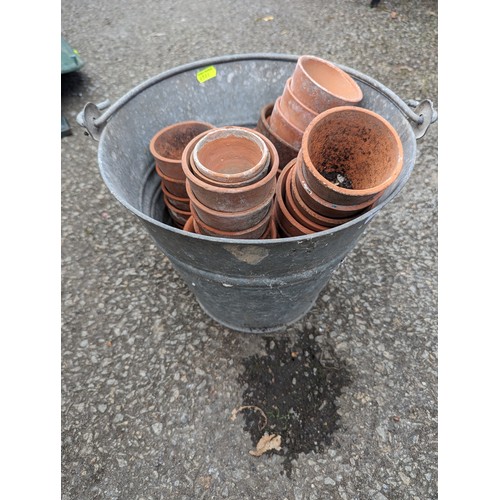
<point x="296" y="385"/>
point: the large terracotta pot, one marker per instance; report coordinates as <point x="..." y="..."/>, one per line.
<point x="351" y="144"/>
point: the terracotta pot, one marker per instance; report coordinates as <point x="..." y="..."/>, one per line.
<point x="189" y="225"/>
<point x="295" y="111"/>
<point x="300" y="209"/>
<point x="283" y="128"/>
<point x="167" y="145"/>
<point x="254" y="232"/>
<point x="227" y="199"/>
<point x="286" y="152"/>
<point x="295" y="212"/>
<point x="230" y="155"/>
<point x="230" y="221"/>
<point x="356" y="143"/>
<point x="320" y="85"/>
<point x="321" y="206"/>
<point x="173" y="186"/>
<point x="288" y="226"/>
<point x="180" y="217"/>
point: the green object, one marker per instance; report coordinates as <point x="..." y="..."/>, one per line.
<point x="70" y="58"/>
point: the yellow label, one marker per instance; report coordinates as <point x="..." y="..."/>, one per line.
<point x="206" y="74"/>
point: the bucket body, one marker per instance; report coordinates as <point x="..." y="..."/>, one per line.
<point x="247" y="285"/>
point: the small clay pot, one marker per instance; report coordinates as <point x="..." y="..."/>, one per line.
<point x="173" y="186"/>
<point x="227" y="199"/>
<point x="167" y="145"/>
<point x="320" y="85"/>
<point x="230" y="155"/>
<point x="356" y="143"/>
<point x="254" y="232"/>
<point x="286" y="151"/>
<point x="283" y="128"/>
<point x="302" y="211"/>
<point x="230" y="221"/>
<point x="296" y="112"/>
<point x="287" y="224"/>
<point x="321" y="206"/>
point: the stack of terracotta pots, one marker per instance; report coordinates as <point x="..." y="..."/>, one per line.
<point x="231" y="182"/>
<point x="315" y="86"/>
<point x="166" y="147"/>
<point x="349" y="157"/>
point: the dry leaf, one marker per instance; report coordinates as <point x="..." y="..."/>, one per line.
<point x="394" y="14"/>
<point x="266" y="443"/>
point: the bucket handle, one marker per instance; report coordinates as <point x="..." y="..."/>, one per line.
<point x="419" y="114"/>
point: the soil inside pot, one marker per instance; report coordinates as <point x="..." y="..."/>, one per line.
<point x="295" y="384"/>
<point x="172" y="144"/>
<point x="337" y="176"/>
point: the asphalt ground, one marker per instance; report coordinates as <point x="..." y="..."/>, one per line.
<point x="148" y="380"/>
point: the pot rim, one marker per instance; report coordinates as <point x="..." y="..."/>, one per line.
<point x="168" y="128"/>
<point x="186" y="167"/>
<point x="234" y="131"/>
<point x="338" y="71"/>
<point x="307" y="162"/>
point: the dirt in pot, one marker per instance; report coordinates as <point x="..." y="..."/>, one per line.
<point x="291" y="392"/>
<point x="337" y="177"/>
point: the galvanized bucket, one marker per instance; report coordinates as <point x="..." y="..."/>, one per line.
<point x="247" y="285"/>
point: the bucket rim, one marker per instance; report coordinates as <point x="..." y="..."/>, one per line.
<point x="366" y="217"/>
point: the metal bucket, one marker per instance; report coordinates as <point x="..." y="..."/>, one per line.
<point x="247" y="285"/>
